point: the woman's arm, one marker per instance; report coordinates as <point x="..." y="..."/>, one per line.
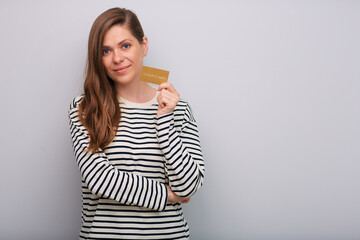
<point x="182" y="151"/>
<point x="184" y="160"/>
<point x="104" y="180"/>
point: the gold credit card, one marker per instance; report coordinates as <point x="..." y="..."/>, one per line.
<point x="154" y="75"/>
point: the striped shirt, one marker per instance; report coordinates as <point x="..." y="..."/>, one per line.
<point x="124" y="194"/>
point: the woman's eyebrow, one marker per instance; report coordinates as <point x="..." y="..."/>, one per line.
<point x="121" y="42"/>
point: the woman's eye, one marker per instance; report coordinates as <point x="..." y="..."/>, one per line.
<point x="106" y="51"/>
<point x="126" y="46"/>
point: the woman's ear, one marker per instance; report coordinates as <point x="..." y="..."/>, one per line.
<point x="145" y="46"/>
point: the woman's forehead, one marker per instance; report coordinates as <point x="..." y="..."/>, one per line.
<point x="117" y="33"/>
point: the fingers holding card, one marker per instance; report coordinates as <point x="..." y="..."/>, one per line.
<point x="167" y="98"/>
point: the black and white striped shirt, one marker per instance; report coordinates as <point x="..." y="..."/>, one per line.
<point x="124" y="193"/>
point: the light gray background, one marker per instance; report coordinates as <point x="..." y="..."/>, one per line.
<point x="274" y="86"/>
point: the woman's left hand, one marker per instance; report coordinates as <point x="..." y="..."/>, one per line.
<point x="167" y="99"/>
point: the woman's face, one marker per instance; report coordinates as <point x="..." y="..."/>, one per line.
<point x="122" y="55"/>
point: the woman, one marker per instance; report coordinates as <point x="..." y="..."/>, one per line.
<point x="137" y="149"/>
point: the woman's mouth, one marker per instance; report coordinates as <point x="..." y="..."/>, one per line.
<point x="121" y="70"/>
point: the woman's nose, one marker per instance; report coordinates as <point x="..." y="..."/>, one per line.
<point x="118" y="56"/>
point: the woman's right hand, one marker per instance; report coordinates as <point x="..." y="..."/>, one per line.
<point x="172" y="197"/>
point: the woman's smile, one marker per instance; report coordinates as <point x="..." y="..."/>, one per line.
<point x="122" y="70"/>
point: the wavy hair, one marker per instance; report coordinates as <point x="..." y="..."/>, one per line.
<point x="99" y="109"/>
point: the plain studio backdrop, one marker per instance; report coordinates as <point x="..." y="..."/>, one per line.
<point x="274" y="86"/>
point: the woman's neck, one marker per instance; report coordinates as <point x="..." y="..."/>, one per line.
<point x="136" y="91"/>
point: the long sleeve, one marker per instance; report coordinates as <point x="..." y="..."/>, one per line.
<point x="106" y="181"/>
<point x="181" y="147"/>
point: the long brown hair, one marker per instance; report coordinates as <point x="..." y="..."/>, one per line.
<point x="99" y="109"/>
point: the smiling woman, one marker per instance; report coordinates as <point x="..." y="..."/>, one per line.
<point x="137" y="149"/>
